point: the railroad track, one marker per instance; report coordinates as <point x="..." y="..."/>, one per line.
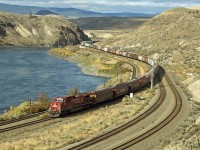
<point x="25" y="124"/>
<point x="170" y="117"/>
<point x="127" y="125"/>
<point x="135" y="68"/>
<point x="2" y="123"/>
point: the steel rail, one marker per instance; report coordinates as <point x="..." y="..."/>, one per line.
<point x="2" y="123"/>
<point x="25" y="124"/>
<point x="170" y="117"/>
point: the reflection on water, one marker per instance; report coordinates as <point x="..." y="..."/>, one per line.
<point x="25" y="72"/>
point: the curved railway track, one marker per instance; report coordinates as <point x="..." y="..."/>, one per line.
<point x="135" y="68"/>
<point x="24" y="124"/>
<point x="168" y="119"/>
<point x="2" y="123"/>
<point x="126" y="125"/>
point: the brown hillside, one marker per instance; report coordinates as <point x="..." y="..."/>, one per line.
<point x="32" y="30"/>
<point x="172" y="36"/>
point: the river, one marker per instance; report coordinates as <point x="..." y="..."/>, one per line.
<point x="26" y="72"/>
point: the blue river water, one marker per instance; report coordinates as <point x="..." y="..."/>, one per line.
<point x="26" y="72"/>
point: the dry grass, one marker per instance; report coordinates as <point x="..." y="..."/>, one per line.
<point x="187" y="134"/>
<point x="83" y="126"/>
<point x="62" y="52"/>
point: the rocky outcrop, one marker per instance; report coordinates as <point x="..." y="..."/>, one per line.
<point x="29" y="30"/>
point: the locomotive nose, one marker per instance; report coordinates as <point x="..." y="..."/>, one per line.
<point x="55" y="106"/>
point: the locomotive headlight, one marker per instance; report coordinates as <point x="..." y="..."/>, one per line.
<point x="54" y="105"/>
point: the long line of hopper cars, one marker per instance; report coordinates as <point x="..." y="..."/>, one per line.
<point x="66" y="104"/>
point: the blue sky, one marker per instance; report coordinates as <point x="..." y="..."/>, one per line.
<point x="139" y="6"/>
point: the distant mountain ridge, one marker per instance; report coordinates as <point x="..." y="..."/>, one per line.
<point x="70" y="12"/>
<point x="45" y="12"/>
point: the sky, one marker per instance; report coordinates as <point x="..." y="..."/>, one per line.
<point x="134" y="6"/>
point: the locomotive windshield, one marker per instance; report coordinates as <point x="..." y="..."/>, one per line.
<point x="58" y="99"/>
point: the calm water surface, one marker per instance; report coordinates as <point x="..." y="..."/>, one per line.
<point x="25" y="72"/>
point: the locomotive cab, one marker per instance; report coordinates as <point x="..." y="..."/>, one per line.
<point x="56" y="106"/>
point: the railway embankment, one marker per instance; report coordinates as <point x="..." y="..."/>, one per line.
<point x="186" y="134"/>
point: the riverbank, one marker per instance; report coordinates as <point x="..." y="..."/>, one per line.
<point x="96" y="63"/>
<point x="41" y="103"/>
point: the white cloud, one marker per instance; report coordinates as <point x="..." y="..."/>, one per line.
<point x="108" y="5"/>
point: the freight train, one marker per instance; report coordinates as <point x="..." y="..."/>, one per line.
<point x="66" y="104"/>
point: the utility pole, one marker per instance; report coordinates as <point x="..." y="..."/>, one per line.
<point x="116" y="71"/>
<point x="30" y="102"/>
<point x="131" y="77"/>
<point x="151" y="78"/>
<point x="117" y="75"/>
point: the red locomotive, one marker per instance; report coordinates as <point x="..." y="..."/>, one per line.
<point x="62" y="105"/>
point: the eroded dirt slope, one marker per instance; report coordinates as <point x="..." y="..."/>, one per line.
<point x="29" y="30"/>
